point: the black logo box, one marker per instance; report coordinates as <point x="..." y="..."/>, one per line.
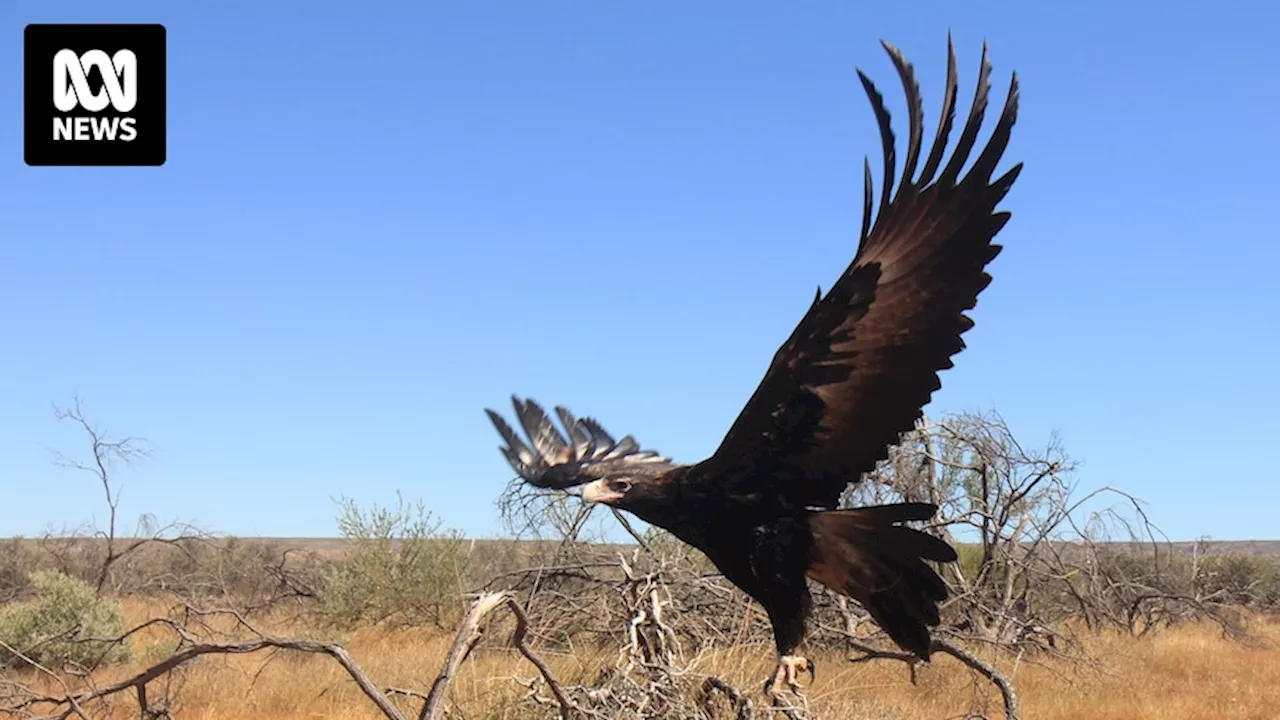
<point x="42" y="42"/>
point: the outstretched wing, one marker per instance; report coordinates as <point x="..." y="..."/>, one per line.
<point x="549" y="460"/>
<point x="865" y="359"/>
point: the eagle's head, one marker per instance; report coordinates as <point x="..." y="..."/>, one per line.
<point x="612" y="472"/>
<point x="633" y="489"/>
<point x="608" y="490"/>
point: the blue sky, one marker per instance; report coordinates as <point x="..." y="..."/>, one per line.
<point x="377" y="220"/>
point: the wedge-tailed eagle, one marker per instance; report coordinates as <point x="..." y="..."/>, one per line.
<point x="852" y="377"/>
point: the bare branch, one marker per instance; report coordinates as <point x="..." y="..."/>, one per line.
<point x="190" y="652"/>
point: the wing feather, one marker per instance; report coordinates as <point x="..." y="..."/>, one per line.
<point x="945" y="120"/>
<point x="549" y="460"/>
<point x="546" y="439"/>
<point x="578" y="436"/>
<point x="914" y="109"/>
<point x="859" y="367"/>
<point x="886" y="137"/>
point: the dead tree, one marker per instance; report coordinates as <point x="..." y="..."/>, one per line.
<point x="107" y="454"/>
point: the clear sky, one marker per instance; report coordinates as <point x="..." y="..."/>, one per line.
<point x="378" y="219"/>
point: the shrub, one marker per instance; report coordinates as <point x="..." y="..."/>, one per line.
<point x="1240" y="579"/>
<point x="398" y="568"/>
<point x="17" y="561"/>
<point x="66" y="621"/>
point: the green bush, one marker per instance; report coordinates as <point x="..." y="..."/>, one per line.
<point x="398" y="568"/>
<point x="66" y="621"/>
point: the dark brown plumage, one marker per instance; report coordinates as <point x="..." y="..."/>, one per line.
<point x="852" y="377"/>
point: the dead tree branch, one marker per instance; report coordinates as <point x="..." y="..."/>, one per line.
<point x="138" y="682"/>
<point x="470" y="633"/>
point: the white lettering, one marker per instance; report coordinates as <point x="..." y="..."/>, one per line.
<point x="105" y="127"/>
<point x="95" y="128"/>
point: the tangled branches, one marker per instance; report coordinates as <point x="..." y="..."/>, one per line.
<point x="1035" y="553"/>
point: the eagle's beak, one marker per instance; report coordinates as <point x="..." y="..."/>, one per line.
<point x="599" y="492"/>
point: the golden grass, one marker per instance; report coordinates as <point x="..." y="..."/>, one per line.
<point x="1188" y="673"/>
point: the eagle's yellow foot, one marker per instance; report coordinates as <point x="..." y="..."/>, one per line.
<point x="789" y="666"/>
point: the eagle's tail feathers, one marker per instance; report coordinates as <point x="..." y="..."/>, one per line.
<point x="866" y="554"/>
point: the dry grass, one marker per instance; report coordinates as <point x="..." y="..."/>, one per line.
<point x="1187" y="673"/>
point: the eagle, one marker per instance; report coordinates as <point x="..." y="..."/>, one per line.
<point x="854" y="375"/>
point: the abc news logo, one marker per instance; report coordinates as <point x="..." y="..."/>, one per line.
<point x="107" y="105"/>
<point x="71" y="89"/>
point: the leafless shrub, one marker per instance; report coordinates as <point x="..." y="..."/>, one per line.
<point x="1039" y="552"/>
<point x="18" y="560"/>
<point x="105" y="563"/>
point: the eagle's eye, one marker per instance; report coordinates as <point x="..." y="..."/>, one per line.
<point x="620" y="485"/>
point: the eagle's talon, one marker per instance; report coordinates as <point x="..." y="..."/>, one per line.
<point x="788" y="668"/>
